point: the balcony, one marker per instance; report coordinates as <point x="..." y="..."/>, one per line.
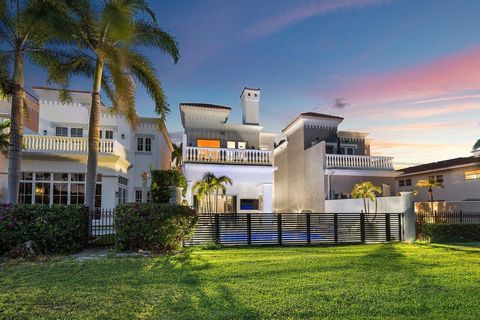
<point x="341" y="161"/>
<point x="228" y="156"/>
<point x="69" y="145"/>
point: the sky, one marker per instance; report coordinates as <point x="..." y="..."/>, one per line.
<point x="405" y="71"/>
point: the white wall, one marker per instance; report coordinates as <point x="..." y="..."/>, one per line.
<point x="385" y="205"/>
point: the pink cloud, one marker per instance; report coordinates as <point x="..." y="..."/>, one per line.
<point x="279" y="22"/>
<point x="419" y="127"/>
<point x="446" y="75"/>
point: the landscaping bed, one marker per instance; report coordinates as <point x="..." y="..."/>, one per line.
<point x="349" y="282"/>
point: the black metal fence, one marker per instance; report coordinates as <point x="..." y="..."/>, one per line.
<point x="102" y="227"/>
<point x="297" y="228"/>
<point x="449" y="217"/>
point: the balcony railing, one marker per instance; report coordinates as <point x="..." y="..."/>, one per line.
<point x="54" y="144"/>
<point x="228" y="156"/>
<point x="358" y="162"/>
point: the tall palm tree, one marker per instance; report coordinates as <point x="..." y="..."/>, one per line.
<point x="4" y="136"/>
<point x="368" y="192"/>
<point x="204" y="188"/>
<point x="107" y="37"/>
<point x="177" y="157"/>
<point x="221" y="185"/>
<point x="28" y="29"/>
<point x="430" y="184"/>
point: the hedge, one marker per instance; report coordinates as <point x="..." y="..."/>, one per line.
<point x="153" y="227"/>
<point x="162" y="180"/>
<point x="55" y="229"/>
<point x="441" y="232"/>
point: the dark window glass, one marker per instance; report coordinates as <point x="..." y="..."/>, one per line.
<point x="98" y="196"/>
<point x="42" y="193"/>
<point x="139" y="144"/>
<point x="329" y="149"/>
<point x="26" y="176"/>
<point x="408" y="182"/>
<point x="77" y="193"/>
<point x="78" y="177"/>
<point x="60" y="193"/>
<point x="138" y="195"/>
<point x="401" y="183"/>
<point x="42" y="176"/>
<point x="248" y="204"/>
<point x="76" y="132"/>
<point x="60" y="177"/>
<point x="61" y="131"/>
<point x="122" y="180"/>
<point x="25" y="193"/>
<point x="99" y="177"/>
<point x="108" y="134"/>
<point x="148" y="144"/>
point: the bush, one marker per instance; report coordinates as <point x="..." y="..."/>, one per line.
<point x="441" y="232"/>
<point x="162" y="180"/>
<point x="55" y="229"/>
<point x="154" y="227"/>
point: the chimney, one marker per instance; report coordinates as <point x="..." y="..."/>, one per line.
<point x="250" y="99"/>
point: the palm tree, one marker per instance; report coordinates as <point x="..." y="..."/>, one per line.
<point x="27" y="29"/>
<point x="221" y="185"/>
<point x="430" y="184"/>
<point x="4" y="136"/>
<point x="107" y="37"/>
<point x="177" y="157"/>
<point x="368" y="192"/>
<point x="204" y="188"/>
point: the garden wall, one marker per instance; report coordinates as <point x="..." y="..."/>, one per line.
<point x="384" y="205"/>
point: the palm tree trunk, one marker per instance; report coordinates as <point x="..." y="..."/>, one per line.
<point x="93" y="138"/>
<point x="16" y="130"/>
<point x="430" y="191"/>
<point x="365" y="204"/>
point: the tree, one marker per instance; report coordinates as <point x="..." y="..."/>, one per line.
<point x="177" y="157"/>
<point x="107" y="37"/>
<point x="4" y="136"/>
<point x="430" y="184"/>
<point x="368" y="192"/>
<point x="27" y="29"/>
<point x="221" y="185"/>
<point x="204" y="188"/>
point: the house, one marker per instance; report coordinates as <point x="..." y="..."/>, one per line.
<point x="54" y="152"/>
<point x="243" y="152"/>
<point x="459" y="176"/>
<point x="317" y="162"/>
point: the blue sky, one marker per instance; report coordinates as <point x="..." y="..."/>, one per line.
<point x="406" y="69"/>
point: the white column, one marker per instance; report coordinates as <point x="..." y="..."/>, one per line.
<point x="189" y="194"/>
<point x="408" y="209"/>
<point x="267" y="198"/>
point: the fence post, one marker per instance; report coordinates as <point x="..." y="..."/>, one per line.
<point x="279" y="228"/>
<point x="249" y="229"/>
<point x="217" y="228"/>
<point x="387" y="227"/>
<point x="309" y="238"/>
<point x="400" y="227"/>
<point x="335" y="227"/>
<point x="362" y="227"/>
<point x="461" y="216"/>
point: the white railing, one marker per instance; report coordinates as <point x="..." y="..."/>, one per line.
<point x="230" y="156"/>
<point x="358" y="162"/>
<point x="54" y="144"/>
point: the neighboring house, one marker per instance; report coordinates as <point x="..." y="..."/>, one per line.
<point x="460" y="177"/>
<point x="55" y="153"/>
<point x="317" y="162"/>
<point x="243" y="152"/>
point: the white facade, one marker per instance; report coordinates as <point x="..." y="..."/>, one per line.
<point x="242" y="152"/>
<point x="54" y="157"/>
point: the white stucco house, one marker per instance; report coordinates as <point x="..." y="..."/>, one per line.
<point x="317" y="162"/>
<point x="55" y="152"/>
<point x="243" y="152"/>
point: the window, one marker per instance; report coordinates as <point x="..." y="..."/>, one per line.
<point x="148" y="144"/>
<point x="108" y="134"/>
<point x="472" y="175"/>
<point x="208" y="143"/>
<point x="408" y="182"/>
<point x="350" y="151"/>
<point x="76" y="132"/>
<point x="122" y="180"/>
<point x="405" y="183"/>
<point x="401" y="183"/>
<point x="61" y="131"/>
<point x="78" y="177"/>
<point x="139" y="144"/>
<point x="98" y="195"/>
<point x="329" y="149"/>
<point x="437" y="178"/>
<point x="77" y="193"/>
<point x="42" y="193"/>
<point x="42" y="176"/>
<point x="60" y="193"/>
<point x="248" y="204"/>
<point x="60" y="177"/>
<point x="138" y="195"/>
<point x="231" y="144"/>
<point x="242" y="145"/>
<point x="122" y="195"/>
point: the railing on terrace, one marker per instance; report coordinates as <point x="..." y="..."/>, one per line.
<point x="54" y="144"/>
<point x="358" y="162"/>
<point x="228" y="156"/>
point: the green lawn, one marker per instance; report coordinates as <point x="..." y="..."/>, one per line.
<point x="382" y="281"/>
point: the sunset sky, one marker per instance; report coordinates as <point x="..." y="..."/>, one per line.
<point x="406" y="71"/>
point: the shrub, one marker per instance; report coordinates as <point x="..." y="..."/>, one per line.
<point x="154" y="227"/>
<point x="441" y="232"/>
<point x="55" y="229"/>
<point x="162" y="180"/>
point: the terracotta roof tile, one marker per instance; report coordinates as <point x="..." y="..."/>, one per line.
<point x="441" y="164"/>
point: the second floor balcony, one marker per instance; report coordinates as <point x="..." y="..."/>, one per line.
<point x="341" y="161"/>
<point x="228" y="156"/>
<point x="70" y="145"/>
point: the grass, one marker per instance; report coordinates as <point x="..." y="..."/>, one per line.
<point x="384" y="281"/>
